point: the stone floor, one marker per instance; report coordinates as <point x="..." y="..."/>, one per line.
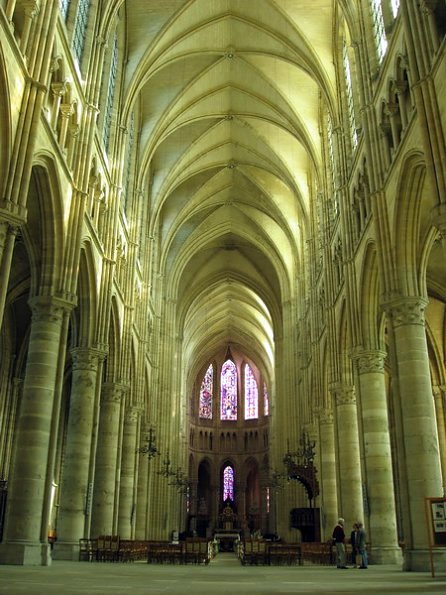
<point x="224" y="576"/>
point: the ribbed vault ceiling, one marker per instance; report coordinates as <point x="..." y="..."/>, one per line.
<point x="229" y="94"/>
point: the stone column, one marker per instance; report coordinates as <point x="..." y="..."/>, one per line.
<point x="439" y="393"/>
<point x="419" y="454"/>
<point x="71" y="521"/>
<point x="240" y="500"/>
<point x="127" y="503"/>
<point x="31" y="10"/>
<point x="106" y="460"/>
<point x="349" y="484"/>
<point x="8" y="235"/>
<point x="377" y="457"/>
<point x="141" y="524"/>
<point x="25" y="536"/>
<point x="329" y="512"/>
<point x="9" y="10"/>
<point x="142" y="488"/>
<point x="58" y="90"/>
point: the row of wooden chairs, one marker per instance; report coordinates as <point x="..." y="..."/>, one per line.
<point x="322" y="553"/>
<point x="190" y="551"/>
<point x="260" y="552"/>
<point x="111" y="548"/>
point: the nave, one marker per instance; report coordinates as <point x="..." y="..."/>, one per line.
<point x="223" y="575"/>
<point x="222" y="280"/>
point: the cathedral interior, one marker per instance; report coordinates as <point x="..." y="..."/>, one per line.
<point x="222" y="273"/>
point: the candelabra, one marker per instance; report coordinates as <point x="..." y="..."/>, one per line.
<point x="304" y="455"/>
<point x="150" y="449"/>
<point x="176" y="477"/>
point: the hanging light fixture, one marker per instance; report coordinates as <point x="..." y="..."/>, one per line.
<point x="150" y="449"/>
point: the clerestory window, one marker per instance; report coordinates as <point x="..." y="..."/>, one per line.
<point x="80" y="28"/>
<point x="206" y="392"/>
<point x="64" y="7"/>
<point x="379" y="31"/>
<point x="251" y="394"/>
<point x="349" y="91"/>
<point x="110" y="93"/>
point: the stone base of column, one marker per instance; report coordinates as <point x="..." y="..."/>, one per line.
<point x="387" y="555"/>
<point x="420" y="560"/>
<point x="25" y="554"/>
<point x="66" y="551"/>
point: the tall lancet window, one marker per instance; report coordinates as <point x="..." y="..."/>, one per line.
<point x="206" y="392"/>
<point x="228" y="483"/>
<point x="379" y="29"/>
<point x="64" y="7"/>
<point x="228" y="395"/>
<point x="349" y="90"/>
<point x="395" y="5"/>
<point x="265" y="400"/>
<point x="80" y="28"/>
<point x="111" y="93"/>
<point x="251" y="394"/>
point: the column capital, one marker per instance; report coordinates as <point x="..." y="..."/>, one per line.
<point x="325" y="416"/>
<point x="59" y="88"/>
<point x="438" y="390"/>
<point x="49" y="308"/>
<point x="368" y="360"/>
<point x="343" y="394"/>
<point x="407" y="310"/>
<point x="113" y="393"/>
<point x="428" y="6"/>
<point x="86" y="358"/>
<point x="131" y="414"/>
<point x="438" y="218"/>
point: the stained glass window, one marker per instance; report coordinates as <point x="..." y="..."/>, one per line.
<point x="379" y="29"/>
<point x="64" y="6"/>
<point x="228" y="395"/>
<point x="349" y="89"/>
<point x="228" y="483"/>
<point x="80" y="28"/>
<point x="268" y="499"/>
<point x="128" y="161"/>
<point x="110" y="93"/>
<point x="395" y="4"/>
<point x="251" y="394"/>
<point x="331" y="150"/>
<point x="206" y="391"/>
<point x="265" y="400"/>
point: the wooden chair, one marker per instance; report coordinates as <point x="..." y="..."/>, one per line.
<point x="87" y="549"/>
<point x="114" y="548"/>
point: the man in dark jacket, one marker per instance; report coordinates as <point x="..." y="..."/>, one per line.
<point x="339" y="541"/>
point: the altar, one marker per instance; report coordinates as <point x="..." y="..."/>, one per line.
<point x="227" y="534"/>
<point x="228" y="518"/>
<point x="227" y="540"/>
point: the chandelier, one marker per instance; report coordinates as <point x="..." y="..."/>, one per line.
<point x="176" y="477"/>
<point x="304" y="454"/>
<point x="150" y="449"/>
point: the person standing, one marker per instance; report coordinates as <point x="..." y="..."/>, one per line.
<point x="339" y="541"/>
<point x="353" y="543"/>
<point x="361" y="545"/>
